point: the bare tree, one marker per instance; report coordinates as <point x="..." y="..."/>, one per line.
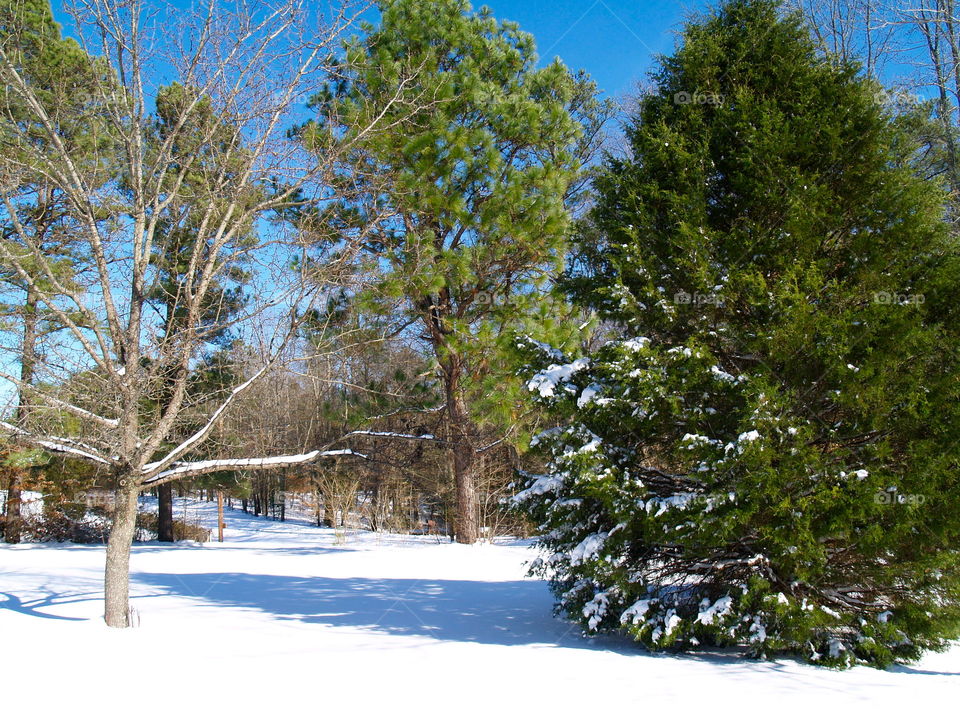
<point x="913" y="46"/>
<point x="225" y="169"/>
<point x="935" y="27"/>
<point x="853" y="30"/>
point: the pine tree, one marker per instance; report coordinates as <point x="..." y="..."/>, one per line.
<point x="65" y="76"/>
<point x="476" y="155"/>
<point x="203" y="144"/>
<point x="765" y="452"/>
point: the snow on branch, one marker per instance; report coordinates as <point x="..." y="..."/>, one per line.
<point x="200" y="434"/>
<point x="203" y="467"/>
<point x="63" y="446"/>
<point x="402" y="410"/>
<point x="403" y="436"/>
<point x="62" y="404"/>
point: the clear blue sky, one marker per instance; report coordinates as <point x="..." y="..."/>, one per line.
<point x="616" y="41"/>
<point x="613" y="40"/>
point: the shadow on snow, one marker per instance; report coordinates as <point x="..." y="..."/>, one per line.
<point x="501" y="613"/>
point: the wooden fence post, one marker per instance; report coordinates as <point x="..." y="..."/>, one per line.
<point x="219" y="515"/>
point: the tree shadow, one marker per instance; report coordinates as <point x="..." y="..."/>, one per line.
<point x="499" y="613"/>
<point x="299" y="550"/>
<point x="906" y="669"/>
<point x="155" y="546"/>
<point x="14" y="603"/>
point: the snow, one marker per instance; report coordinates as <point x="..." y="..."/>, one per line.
<point x="692" y="440"/>
<point x="549" y="351"/>
<point x="31" y="502"/>
<point x="670" y="621"/>
<point x="663" y="504"/>
<point x="588" y="548"/>
<point x="405" y="436"/>
<point x="284" y="619"/>
<point x="758" y="631"/>
<point x="200" y="434"/>
<point x="588" y="394"/>
<point x="636" y="344"/>
<point x="722" y="375"/>
<point x="636" y="612"/>
<point x="545" y="382"/>
<point x="708" y="613"/>
<point x="837" y="648"/>
<point x="596" y="609"/>
<point x="541" y="484"/>
<point x="57" y="444"/>
<point x="201" y="466"/>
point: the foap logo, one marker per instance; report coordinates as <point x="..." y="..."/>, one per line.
<point x="897" y="98"/>
<point x="684" y="298"/>
<point x="894" y="298"/>
<point x="890" y="496"/>
<point x="697" y="98"/>
<point x="490" y="298"/>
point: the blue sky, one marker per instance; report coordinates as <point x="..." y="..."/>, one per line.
<point x="616" y="41"/>
<point x="613" y="40"/>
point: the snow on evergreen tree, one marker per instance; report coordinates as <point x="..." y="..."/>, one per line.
<point x="765" y="453"/>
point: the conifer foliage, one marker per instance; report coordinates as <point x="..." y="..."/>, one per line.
<point x="765" y="452"/>
<point x="473" y="189"/>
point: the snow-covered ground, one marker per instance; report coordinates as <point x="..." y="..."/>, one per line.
<point x="287" y="618"/>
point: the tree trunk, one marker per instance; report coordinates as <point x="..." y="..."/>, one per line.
<point x="464" y="474"/>
<point x="13" y="523"/>
<point x="117" y="581"/>
<point x="329" y="515"/>
<point x="219" y="515"/>
<point x="464" y="462"/>
<point x="375" y="509"/>
<point x="165" y="513"/>
<point x="28" y="358"/>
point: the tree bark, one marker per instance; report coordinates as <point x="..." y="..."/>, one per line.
<point x="165" y="513"/>
<point x="375" y="509"/>
<point x="329" y="514"/>
<point x="219" y="515"/>
<point x="464" y="462"/>
<point x="14" y="521"/>
<point x="28" y="358"/>
<point x="116" y="594"/>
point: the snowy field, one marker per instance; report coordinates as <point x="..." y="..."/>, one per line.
<point x="287" y="618"/>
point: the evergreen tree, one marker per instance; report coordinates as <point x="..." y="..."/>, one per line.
<point x="39" y="215"/>
<point x="765" y="452"/>
<point x="202" y="160"/>
<point x="474" y="157"/>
